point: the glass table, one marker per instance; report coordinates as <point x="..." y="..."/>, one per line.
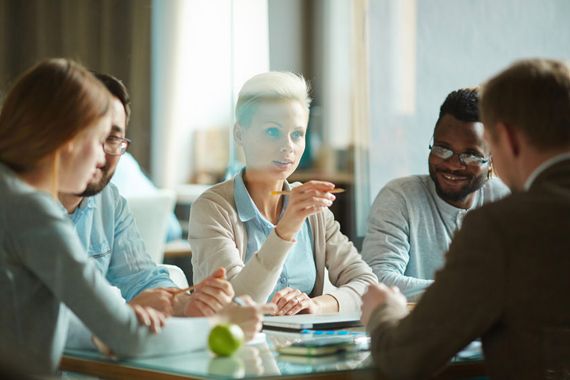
<point x="258" y="359"/>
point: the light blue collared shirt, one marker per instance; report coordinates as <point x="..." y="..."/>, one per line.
<point x="109" y="234"/>
<point x="299" y="271"/>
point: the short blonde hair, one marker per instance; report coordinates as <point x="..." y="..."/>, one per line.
<point x="533" y="96"/>
<point x="49" y="105"/>
<point x="270" y="86"/>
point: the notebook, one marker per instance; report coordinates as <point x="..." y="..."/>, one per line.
<point x="309" y="321"/>
<point x="319" y="346"/>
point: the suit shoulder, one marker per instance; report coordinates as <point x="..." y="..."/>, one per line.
<point x="503" y="208"/>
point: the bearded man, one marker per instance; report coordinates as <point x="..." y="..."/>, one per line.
<point x="413" y="219"/>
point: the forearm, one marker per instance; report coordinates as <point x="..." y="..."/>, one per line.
<point x="411" y="287"/>
<point x="130" y="291"/>
<point x="177" y="336"/>
<point x="326" y="304"/>
<point x="347" y="271"/>
<point x="78" y="336"/>
<point x="389" y="260"/>
<point x="257" y="278"/>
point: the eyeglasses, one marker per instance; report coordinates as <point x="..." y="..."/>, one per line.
<point x="116" y="146"/>
<point x="465" y="158"/>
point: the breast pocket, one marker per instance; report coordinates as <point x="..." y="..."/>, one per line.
<point x="100" y="254"/>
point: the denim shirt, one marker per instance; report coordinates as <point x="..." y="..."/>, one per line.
<point x="299" y="271"/>
<point x="110" y="236"/>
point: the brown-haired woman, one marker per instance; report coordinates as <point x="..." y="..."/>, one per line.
<point x="52" y="127"/>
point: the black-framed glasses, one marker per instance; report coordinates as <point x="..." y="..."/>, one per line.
<point x="465" y="158"/>
<point x="116" y="146"/>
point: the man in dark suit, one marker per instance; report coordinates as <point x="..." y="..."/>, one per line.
<point x="507" y="272"/>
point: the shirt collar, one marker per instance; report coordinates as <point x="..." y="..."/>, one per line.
<point x="244" y="204"/>
<point x="246" y="208"/>
<point x="542" y="167"/>
<point x="85" y="204"/>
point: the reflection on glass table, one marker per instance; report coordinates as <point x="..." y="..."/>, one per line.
<point x="257" y="359"/>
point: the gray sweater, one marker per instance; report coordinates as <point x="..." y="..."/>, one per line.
<point x="410" y="228"/>
<point x="42" y="267"/>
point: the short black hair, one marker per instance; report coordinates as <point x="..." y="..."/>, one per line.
<point x="462" y="104"/>
<point x="118" y="89"/>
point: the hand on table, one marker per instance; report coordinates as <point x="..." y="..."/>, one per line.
<point x="377" y="295"/>
<point x="160" y="299"/>
<point x="291" y="301"/>
<point x="150" y="317"/>
<point x="248" y="317"/>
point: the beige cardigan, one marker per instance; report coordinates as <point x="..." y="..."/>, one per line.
<point x="219" y="239"/>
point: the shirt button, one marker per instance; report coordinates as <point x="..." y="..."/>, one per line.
<point x="282" y="280"/>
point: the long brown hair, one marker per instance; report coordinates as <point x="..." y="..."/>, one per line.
<point x="47" y="107"/>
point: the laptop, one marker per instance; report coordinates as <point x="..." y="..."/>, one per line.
<point x="312" y="322"/>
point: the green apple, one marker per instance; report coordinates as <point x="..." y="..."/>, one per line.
<point x="225" y="339"/>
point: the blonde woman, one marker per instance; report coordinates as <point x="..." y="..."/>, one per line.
<point x="276" y="247"/>
<point x="53" y="124"/>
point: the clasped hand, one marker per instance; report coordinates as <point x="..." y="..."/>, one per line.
<point x="208" y="297"/>
<point x="291" y="301"/>
<point x="304" y="200"/>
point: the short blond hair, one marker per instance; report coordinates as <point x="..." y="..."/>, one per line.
<point x="270" y="86"/>
<point x="533" y="96"/>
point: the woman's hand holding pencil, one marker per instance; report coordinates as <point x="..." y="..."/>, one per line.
<point x="309" y="198"/>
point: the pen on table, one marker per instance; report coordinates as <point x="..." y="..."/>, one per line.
<point x="287" y="192"/>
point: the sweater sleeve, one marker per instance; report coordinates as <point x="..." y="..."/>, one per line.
<point x="49" y="247"/>
<point x="347" y="271"/>
<point x="214" y="241"/>
<point x="386" y="246"/>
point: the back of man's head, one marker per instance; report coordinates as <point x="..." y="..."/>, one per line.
<point x="462" y="104"/>
<point x="532" y="96"/>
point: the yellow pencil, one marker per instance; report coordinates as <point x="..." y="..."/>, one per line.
<point x="185" y="290"/>
<point x="285" y="192"/>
